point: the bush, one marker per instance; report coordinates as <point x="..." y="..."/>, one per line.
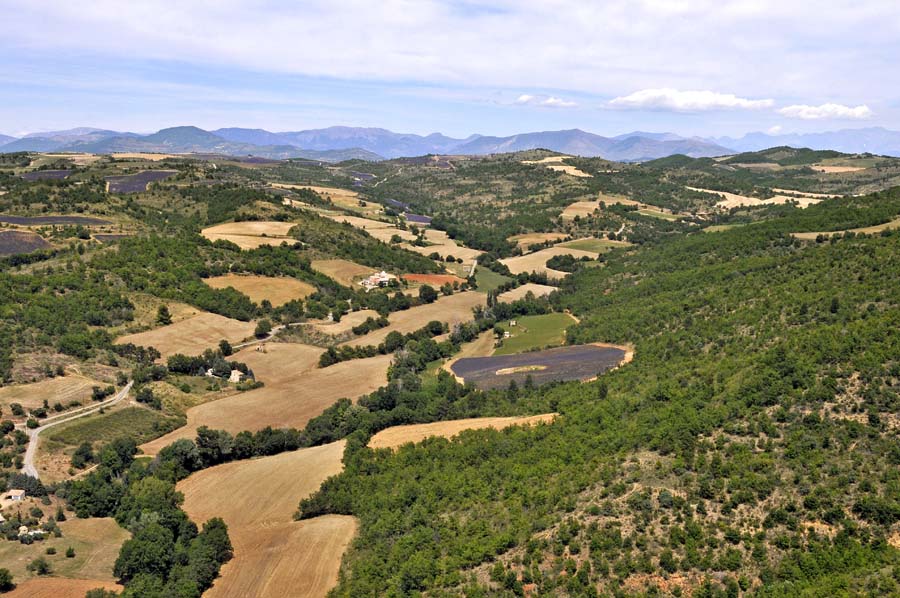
<point x="40" y="566"/>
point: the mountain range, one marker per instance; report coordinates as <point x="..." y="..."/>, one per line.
<point x="874" y="140"/>
<point x="334" y="144"/>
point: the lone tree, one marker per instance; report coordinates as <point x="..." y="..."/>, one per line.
<point x="263" y="328"/>
<point x="6" y="581"/>
<point x="427" y="294"/>
<point x="163" y="317"/>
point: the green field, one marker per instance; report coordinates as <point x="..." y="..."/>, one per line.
<point x="717" y="228"/>
<point x="535" y="332"/>
<point x="488" y="280"/>
<point x="135" y="422"/>
<point x="597" y="245"/>
<point x="658" y="214"/>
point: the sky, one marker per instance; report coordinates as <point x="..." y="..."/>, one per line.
<point x="692" y="67"/>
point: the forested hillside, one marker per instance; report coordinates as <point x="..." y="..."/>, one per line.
<point x="749" y="447"/>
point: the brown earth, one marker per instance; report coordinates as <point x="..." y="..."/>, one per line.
<point x="278" y="290"/>
<point x="400" y="435"/>
<point x="452" y="309"/>
<point x="273" y="555"/>
<point x="59" y="587"/>
<point x="344" y="272"/>
<point x="191" y="336"/>
<point x="292" y="395"/>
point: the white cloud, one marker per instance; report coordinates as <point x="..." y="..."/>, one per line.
<point x="825" y="111"/>
<point x="774" y="130"/>
<point x="544" y="101"/>
<point x="687" y="101"/>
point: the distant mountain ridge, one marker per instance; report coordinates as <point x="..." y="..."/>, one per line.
<point x="875" y="140"/>
<point x="341" y="143"/>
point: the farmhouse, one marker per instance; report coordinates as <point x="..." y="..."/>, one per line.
<point x="379" y="279"/>
<point x="14" y="495"/>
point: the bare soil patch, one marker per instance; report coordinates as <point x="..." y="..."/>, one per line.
<point x="278" y="290"/>
<point x="400" y="435"/>
<point x="59" y="587"/>
<point x="539" y="290"/>
<point x="290" y="398"/>
<point x="805" y="193"/>
<point x="191" y="336"/>
<point x="273" y="555"/>
<point x="453" y="309"/>
<point x="344" y="272"/>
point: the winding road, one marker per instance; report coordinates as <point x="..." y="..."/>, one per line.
<point x="28" y="467"/>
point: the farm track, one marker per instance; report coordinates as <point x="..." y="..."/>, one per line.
<point x="28" y="467"/>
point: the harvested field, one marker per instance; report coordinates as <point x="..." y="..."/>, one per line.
<point x="482" y="346"/>
<point x="77" y="159"/>
<point x="805" y="193"/>
<point x="383" y="231"/>
<point x="136" y="183"/>
<point x="443" y="245"/>
<point x="14" y="242"/>
<point x="348" y="321"/>
<point x="63" y="389"/>
<point x="191" y="336"/>
<point x="47" y="175"/>
<point x="453" y="309"/>
<point x="96" y="542"/>
<point x="868" y="230"/>
<point x="435" y="280"/>
<point x="143" y="156"/>
<point x="400" y="435"/>
<point x="581" y="209"/>
<point x="836" y="169"/>
<point x="273" y="555"/>
<point x="526" y="240"/>
<point x="595" y="245"/>
<point x="278" y="290"/>
<point x="59" y="587"/>
<point x="290" y="398"/>
<point x="537" y="261"/>
<point x="250" y="235"/>
<point x="556" y="163"/>
<point x="733" y="200"/>
<point x="539" y="290"/>
<point x="51" y="220"/>
<point x="579" y="362"/>
<point x="344" y="272"/>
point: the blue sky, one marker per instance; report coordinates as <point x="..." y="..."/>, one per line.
<point x="698" y="67"/>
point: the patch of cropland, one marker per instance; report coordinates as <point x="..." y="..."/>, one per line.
<point x="14" y="242"/>
<point x="136" y="183"/>
<point x="759" y="406"/>
<point x="551" y="365"/>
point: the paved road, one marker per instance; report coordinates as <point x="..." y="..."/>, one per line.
<point x="28" y="467"/>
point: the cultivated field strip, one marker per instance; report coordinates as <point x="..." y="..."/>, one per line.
<point x="191" y="336"/>
<point x="400" y="435"/>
